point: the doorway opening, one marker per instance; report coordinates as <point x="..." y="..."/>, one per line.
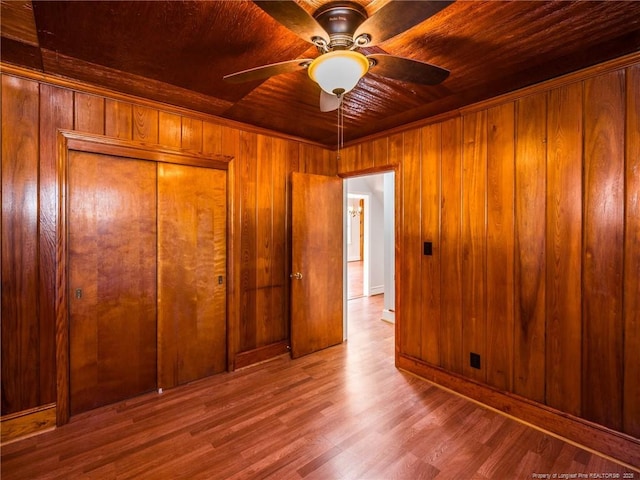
<point x="358" y="206"/>
<point x="369" y="245"/>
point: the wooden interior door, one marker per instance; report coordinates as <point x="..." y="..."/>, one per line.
<point x="112" y="279"/>
<point x="317" y="253"/>
<point x="192" y="239"/>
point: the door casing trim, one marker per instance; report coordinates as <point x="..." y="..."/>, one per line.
<point x="73" y="141"/>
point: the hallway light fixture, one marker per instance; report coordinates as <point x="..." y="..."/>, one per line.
<point x="339" y="71"/>
<point x="353" y="211"/>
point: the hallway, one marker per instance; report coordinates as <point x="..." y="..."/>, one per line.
<point x="354" y="279"/>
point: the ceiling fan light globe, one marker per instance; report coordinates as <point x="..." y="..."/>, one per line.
<point x="339" y="71"/>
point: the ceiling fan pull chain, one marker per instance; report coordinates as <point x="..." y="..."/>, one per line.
<point x="340" y="126"/>
<point x="339" y="114"/>
<point x="340" y="129"/>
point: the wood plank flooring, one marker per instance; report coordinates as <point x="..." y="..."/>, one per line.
<point x="343" y="413"/>
<point x="355" y="271"/>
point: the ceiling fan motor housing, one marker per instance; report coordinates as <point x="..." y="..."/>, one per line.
<point x="340" y="20"/>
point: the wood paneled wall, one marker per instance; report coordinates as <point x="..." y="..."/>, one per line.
<point x="532" y="204"/>
<point x="533" y="208"/>
<point x="32" y="112"/>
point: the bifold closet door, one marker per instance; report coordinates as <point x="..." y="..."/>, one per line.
<point x="192" y="239"/>
<point x="112" y="279"/>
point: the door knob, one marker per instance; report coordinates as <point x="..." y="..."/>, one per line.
<point x="297" y="276"/>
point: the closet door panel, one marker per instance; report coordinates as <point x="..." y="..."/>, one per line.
<point x="191" y="273"/>
<point x="112" y="279"/>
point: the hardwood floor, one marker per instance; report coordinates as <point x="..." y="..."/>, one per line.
<point x="343" y="413"/>
<point x="354" y="279"/>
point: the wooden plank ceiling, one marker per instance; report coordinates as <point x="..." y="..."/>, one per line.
<point x="177" y="52"/>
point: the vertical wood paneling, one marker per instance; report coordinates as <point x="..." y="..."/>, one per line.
<point x="89" y="113"/>
<point x="191" y="134"/>
<point x="306" y="155"/>
<point x="411" y="256"/>
<point x="608" y="293"/>
<point x="264" y="240"/>
<point x="145" y="124"/>
<point x="380" y="150"/>
<point x="564" y="249"/>
<point x="247" y="171"/>
<point x="603" y="249"/>
<point x="451" y="247"/>
<point x="118" y="119"/>
<point x="355" y="156"/>
<point x="350" y="159"/>
<point x="230" y="144"/>
<point x="279" y="271"/>
<point x="537" y="231"/>
<point x="395" y="144"/>
<point x="329" y="163"/>
<point x="500" y="235"/>
<point x="474" y="178"/>
<point x="364" y="156"/>
<point x="230" y="138"/>
<point x="212" y="138"/>
<point x="430" y="282"/>
<point x="20" y="325"/>
<point x="169" y="129"/>
<point x="318" y="161"/>
<point x="62" y="108"/>
<point x="631" y="400"/>
<point x="56" y="111"/>
<point x="530" y="177"/>
<point x="294" y="156"/>
<point x="367" y="156"/>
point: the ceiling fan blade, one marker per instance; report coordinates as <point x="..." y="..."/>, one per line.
<point x="329" y="102"/>
<point x="266" y="71"/>
<point x="294" y="17"/>
<point x="397" y="16"/>
<point x="407" y="70"/>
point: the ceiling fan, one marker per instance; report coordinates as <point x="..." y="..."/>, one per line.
<point x="338" y="30"/>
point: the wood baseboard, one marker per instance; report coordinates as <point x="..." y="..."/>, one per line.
<point x="26" y="423"/>
<point x="615" y="445"/>
<point x="258" y="355"/>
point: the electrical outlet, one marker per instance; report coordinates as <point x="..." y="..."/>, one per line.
<point x="428" y="248"/>
<point x="474" y="360"/>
